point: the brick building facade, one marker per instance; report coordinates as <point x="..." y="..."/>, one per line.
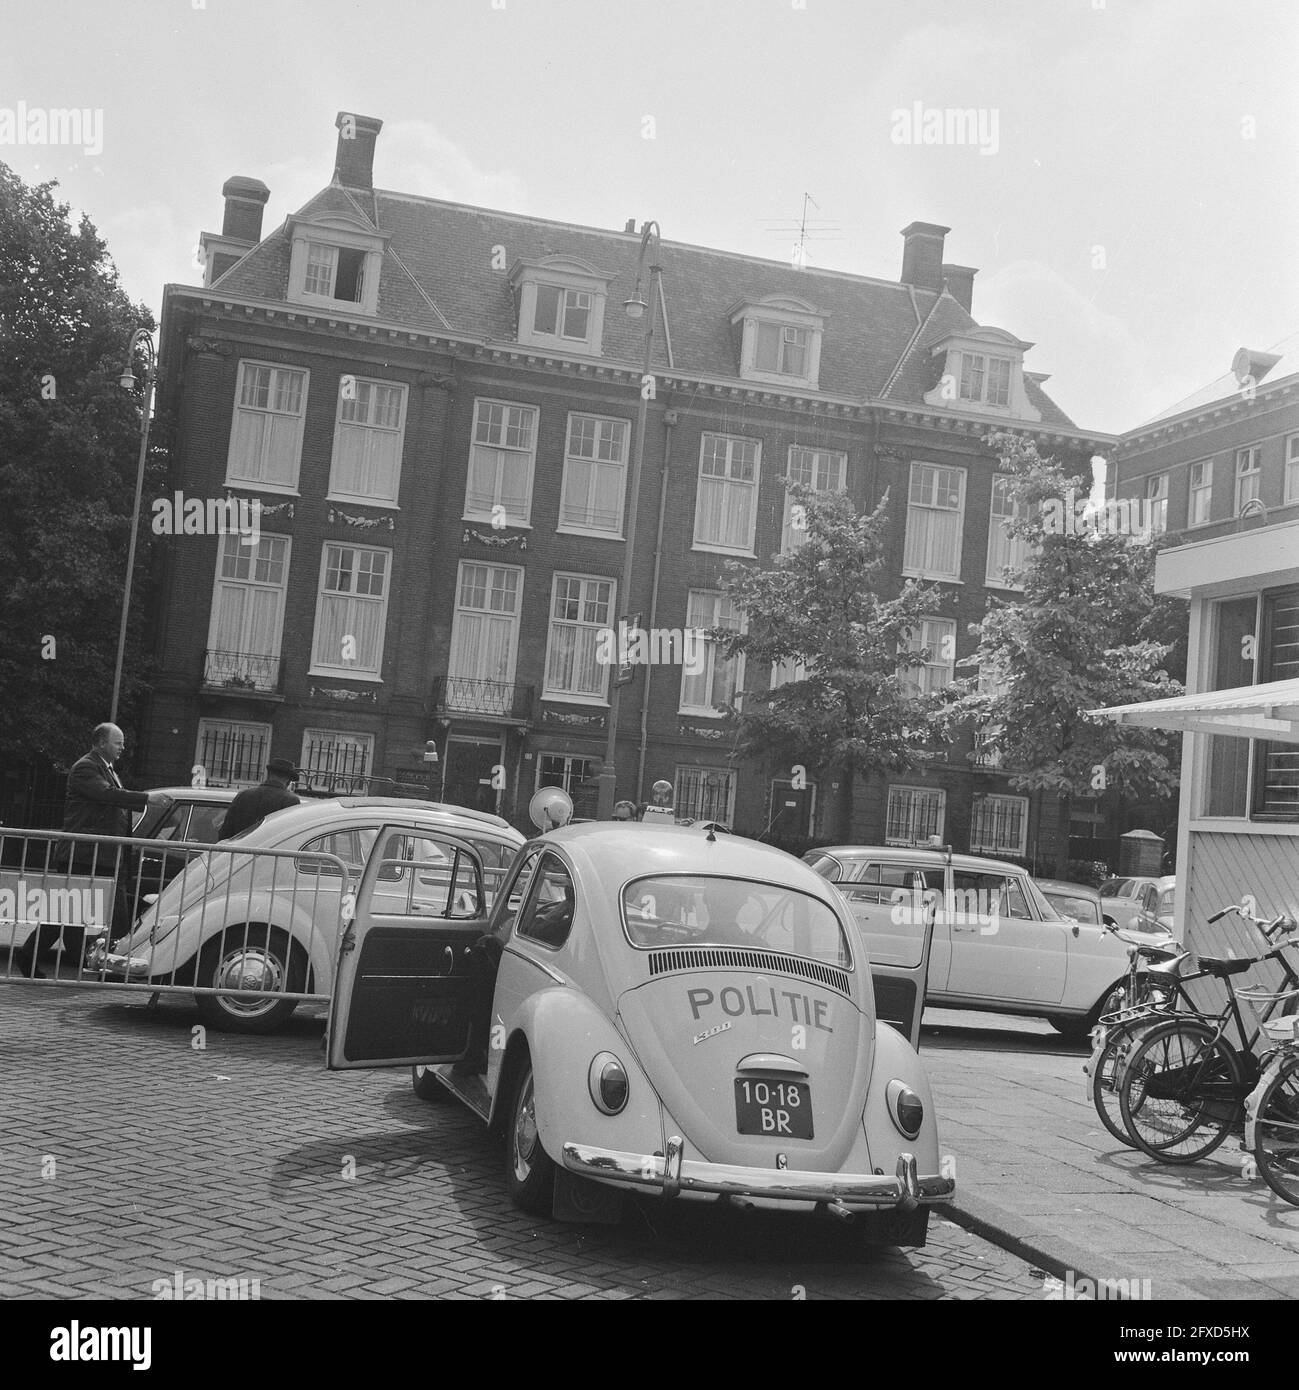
<point x="435" y="407"/>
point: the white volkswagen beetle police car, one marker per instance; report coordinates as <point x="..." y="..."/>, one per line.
<point x="676" y="1014"/>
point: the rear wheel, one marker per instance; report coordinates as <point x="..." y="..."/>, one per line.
<point x="258" y="958"/>
<point x="529" y="1170"/>
<point x="1181" y="1092"/>
<point x="1106" y="1071"/>
<point x="1276" y="1133"/>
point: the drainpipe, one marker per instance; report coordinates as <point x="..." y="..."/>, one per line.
<point x="669" y="422"/>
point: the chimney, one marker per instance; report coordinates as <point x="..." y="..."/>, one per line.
<point x="922" y="255"/>
<point x="354" y="163"/>
<point x="631" y="225"/>
<point x="960" y="284"/>
<point x="245" y="201"/>
<point x="241" y="226"/>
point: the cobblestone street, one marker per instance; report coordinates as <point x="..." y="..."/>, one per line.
<point x="129" y="1157"/>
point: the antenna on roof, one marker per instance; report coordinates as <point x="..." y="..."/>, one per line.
<point x="817" y="228"/>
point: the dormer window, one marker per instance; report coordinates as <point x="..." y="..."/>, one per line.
<point x="779" y="339"/>
<point x="985" y="379"/>
<point x="560" y="302"/>
<point x="982" y="369"/>
<point x="335" y="272"/>
<point x="335" y="261"/>
<point x="563" y="313"/>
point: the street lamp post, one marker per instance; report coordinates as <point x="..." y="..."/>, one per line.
<point x="140" y="338"/>
<point x="635" y="308"/>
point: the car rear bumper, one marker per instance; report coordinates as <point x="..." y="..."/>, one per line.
<point x="674" y="1174"/>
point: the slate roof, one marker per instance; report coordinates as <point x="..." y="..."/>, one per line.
<point x="438" y="276"/>
<point x="1227" y="387"/>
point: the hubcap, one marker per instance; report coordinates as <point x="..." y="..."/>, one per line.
<point x="525" y="1133"/>
<point x="252" y="967"/>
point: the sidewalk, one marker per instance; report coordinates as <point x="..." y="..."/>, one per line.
<point x="1038" y="1174"/>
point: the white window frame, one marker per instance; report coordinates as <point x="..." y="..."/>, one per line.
<point x="510" y="617"/>
<point x="981" y="364"/>
<point x="1291" y="469"/>
<point x="981" y="843"/>
<point x="587" y="583"/>
<point x="333" y="233"/>
<point x="1197" y="492"/>
<point x="829" y="470"/>
<point x="334" y="740"/>
<point x="253" y="764"/>
<point x="779" y="312"/>
<point x="787" y="335"/>
<point x="355" y="671"/>
<point x="953" y="574"/>
<point x="562" y="295"/>
<point x="728" y="485"/>
<point x="269" y="414"/>
<point x="787" y="671"/>
<point x="1155" y="493"/>
<point x="566" y="275"/>
<point x="232" y="547"/>
<point x="529" y="455"/>
<point x="937" y="673"/>
<point x="573" y="461"/>
<point x="373" y="432"/>
<point x="690" y="783"/>
<point x="710" y="647"/>
<point x="897" y="792"/>
<point x="1015" y="547"/>
<point x="1252" y="472"/>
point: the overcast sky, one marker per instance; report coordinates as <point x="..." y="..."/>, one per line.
<point x="1131" y="207"/>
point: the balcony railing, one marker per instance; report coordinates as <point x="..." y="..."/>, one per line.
<point x="984" y="756"/>
<point x="510" y="702"/>
<point x="241" y="673"/>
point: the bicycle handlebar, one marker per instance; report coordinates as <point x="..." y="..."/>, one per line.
<point x="1281" y="923"/>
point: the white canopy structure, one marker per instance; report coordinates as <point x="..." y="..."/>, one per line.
<point x="1268" y="711"/>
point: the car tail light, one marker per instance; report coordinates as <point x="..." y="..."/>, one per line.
<point x="906" y="1109"/>
<point x="608" y="1083"/>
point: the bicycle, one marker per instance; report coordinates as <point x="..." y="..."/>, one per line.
<point x="1272" y="1111"/>
<point x="1184" y="1076"/>
<point x="1151" y="990"/>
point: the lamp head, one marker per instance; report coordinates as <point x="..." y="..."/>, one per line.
<point x="127" y="380"/>
<point x="635" y="306"/>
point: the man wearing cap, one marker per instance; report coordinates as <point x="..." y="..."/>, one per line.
<point x="255" y="802"/>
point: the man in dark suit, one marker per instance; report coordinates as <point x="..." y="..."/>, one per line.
<point x="96" y="804"/>
<point x="255" y="802"/>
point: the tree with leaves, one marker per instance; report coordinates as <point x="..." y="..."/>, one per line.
<point x="1087" y="632"/>
<point x="852" y="708"/>
<point x="69" y="440"/>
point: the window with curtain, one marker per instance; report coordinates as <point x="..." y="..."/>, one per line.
<point x="935" y="510"/>
<point x="580" y="609"/>
<point x="368" y="436"/>
<point x="351" y="610"/>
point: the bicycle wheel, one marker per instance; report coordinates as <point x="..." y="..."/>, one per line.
<point x="1276" y="1133"/>
<point x="1181" y="1091"/>
<point x="1106" y="1069"/>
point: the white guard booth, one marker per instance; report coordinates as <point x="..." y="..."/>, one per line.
<point x="1238" y="829"/>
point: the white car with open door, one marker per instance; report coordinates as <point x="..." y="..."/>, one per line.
<point x="998" y="945"/>
<point x="673" y="1013"/>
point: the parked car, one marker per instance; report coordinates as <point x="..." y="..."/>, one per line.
<point x="998" y="945"/>
<point x="1167" y="901"/>
<point x="195" y="816"/>
<point x="671" y="1014"/>
<point x="1076" y="901"/>
<point x="1134" y="902"/>
<point x="271" y="923"/>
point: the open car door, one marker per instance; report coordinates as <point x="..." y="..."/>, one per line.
<point x="404" y="983"/>
<point x="895" y="907"/>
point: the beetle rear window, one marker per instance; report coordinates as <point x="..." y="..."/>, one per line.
<point x="699" y="910"/>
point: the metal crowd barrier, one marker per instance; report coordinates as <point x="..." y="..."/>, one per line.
<point x="161" y="916"/>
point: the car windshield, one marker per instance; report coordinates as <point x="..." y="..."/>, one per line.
<point x="694" y="910"/>
<point x="1166" y="902"/>
<point x="1081" y="909"/>
<point x="1119" y="888"/>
